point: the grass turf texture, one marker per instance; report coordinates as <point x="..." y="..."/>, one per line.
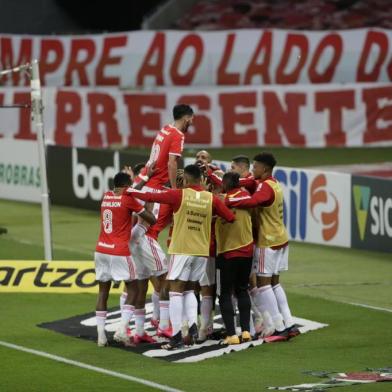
<point x="320" y="278"/>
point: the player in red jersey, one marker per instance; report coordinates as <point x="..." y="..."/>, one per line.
<point x="113" y="259"/>
<point x="165" y="154"/>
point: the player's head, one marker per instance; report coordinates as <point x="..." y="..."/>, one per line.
<point x="180" y="179"/>
<point x="138" y="167"/>
<point x="230" y="181"/>
<point x="183" y="116"/>
<point x="203" y="157"/>
<point x="240" y="164"/>
<point x="192" y="175"/>
<point x="122" y="180"/>
<point x="263" y="165"/>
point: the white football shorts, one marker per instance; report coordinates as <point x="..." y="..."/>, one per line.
<point x="113" y="267"/>
<point x="186" y="268"/>
<point x="268" y="261"/>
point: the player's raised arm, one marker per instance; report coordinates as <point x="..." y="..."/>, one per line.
<point x="263" y="196"/>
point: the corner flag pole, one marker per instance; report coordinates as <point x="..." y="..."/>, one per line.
<point x="38" y="125"/>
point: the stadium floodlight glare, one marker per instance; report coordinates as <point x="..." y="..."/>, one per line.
<point x="37" y="109"/>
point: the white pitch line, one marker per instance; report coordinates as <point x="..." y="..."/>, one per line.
<point x="90" y="367"/>
<point x="370" y="307"/>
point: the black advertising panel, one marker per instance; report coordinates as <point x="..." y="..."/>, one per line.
<point x="78" y="177"/>
<point x="371" y="207"/>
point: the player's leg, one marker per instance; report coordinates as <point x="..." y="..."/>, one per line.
<point x="101" y="311"/>
<point x="104" y="277"/>
<point x="140" y="335"/>
<point x="127" y="311"/>
<point x="258" y="318"/>
<point x="266" y="300"/>
<point x="198" y="267"/>
<point x="243" y="266"/>
<point x="281" y="295"/>
<point x="227" y="278"/>
<point x="207" y="284"/>
<point x="155" y="301"/>
<point x="178" y="274"/>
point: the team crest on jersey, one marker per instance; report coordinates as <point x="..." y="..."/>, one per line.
<point x="336" y="379"/>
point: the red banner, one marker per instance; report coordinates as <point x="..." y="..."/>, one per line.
<point x="174" y="58"/>
<point x="311" y="116"/>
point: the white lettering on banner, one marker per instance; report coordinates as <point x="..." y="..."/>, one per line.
<point x="19" y="170"/>
<point x="308" y="116"/>
<point x="83" y="178"/>
<point x="379" y="210"/>
<point x="182" y="58"/>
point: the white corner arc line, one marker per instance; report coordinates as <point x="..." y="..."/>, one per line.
<point x="90" y="367"/>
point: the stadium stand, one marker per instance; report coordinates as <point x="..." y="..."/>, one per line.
<point x="288" y="14"/>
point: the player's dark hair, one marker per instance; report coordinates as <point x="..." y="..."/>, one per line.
<point x="193" y="171"/>
<point x="122" y="179"/>
<point x="139" y="166"/>
<point x="241" y="159"/>
<point x="267" y="158"/>
<point x="181" y="110"/>
<point x="231" y="180"/>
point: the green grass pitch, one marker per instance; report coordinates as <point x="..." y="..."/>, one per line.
<point x="321" y="284"/>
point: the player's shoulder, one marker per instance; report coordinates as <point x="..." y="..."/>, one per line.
<point x="169" y="129"/>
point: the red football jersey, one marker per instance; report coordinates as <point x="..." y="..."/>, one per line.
<point x="116" y="223"/>
<point x="169" y="141"/>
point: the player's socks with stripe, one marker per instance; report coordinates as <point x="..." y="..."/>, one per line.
<point x="121" y="334"/>
<point x="123" y="298"/>
<point x="283" y="305"/>
<point x="100" y="316"/>
<point x="155" y="309"/>
<point x="175" y="311"/>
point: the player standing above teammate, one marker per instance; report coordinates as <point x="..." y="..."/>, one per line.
<point x="112" y="257"/>
<point x="165" y="153"/>
<point x="271" y="254"/>
<point x="193" y="208"/>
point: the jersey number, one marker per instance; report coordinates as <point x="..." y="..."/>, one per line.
<point x="107" y="221"/>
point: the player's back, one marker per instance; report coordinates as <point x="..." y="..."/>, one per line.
<point x="116" y="222"/>
<point x="169" y="141"/>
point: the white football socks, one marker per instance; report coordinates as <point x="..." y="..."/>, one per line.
<point x="205" y="311"/>
<point x="155" y="303"/>
<point x="140" y="316"/>
<point x="283" y="305"/>
<point x="190" y="306"/>
<point x="175" y="311"/>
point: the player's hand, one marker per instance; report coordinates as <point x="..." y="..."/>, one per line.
<point x="128" y="170"/>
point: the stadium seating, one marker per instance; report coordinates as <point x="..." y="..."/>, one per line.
<point x="288" y="14"/>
